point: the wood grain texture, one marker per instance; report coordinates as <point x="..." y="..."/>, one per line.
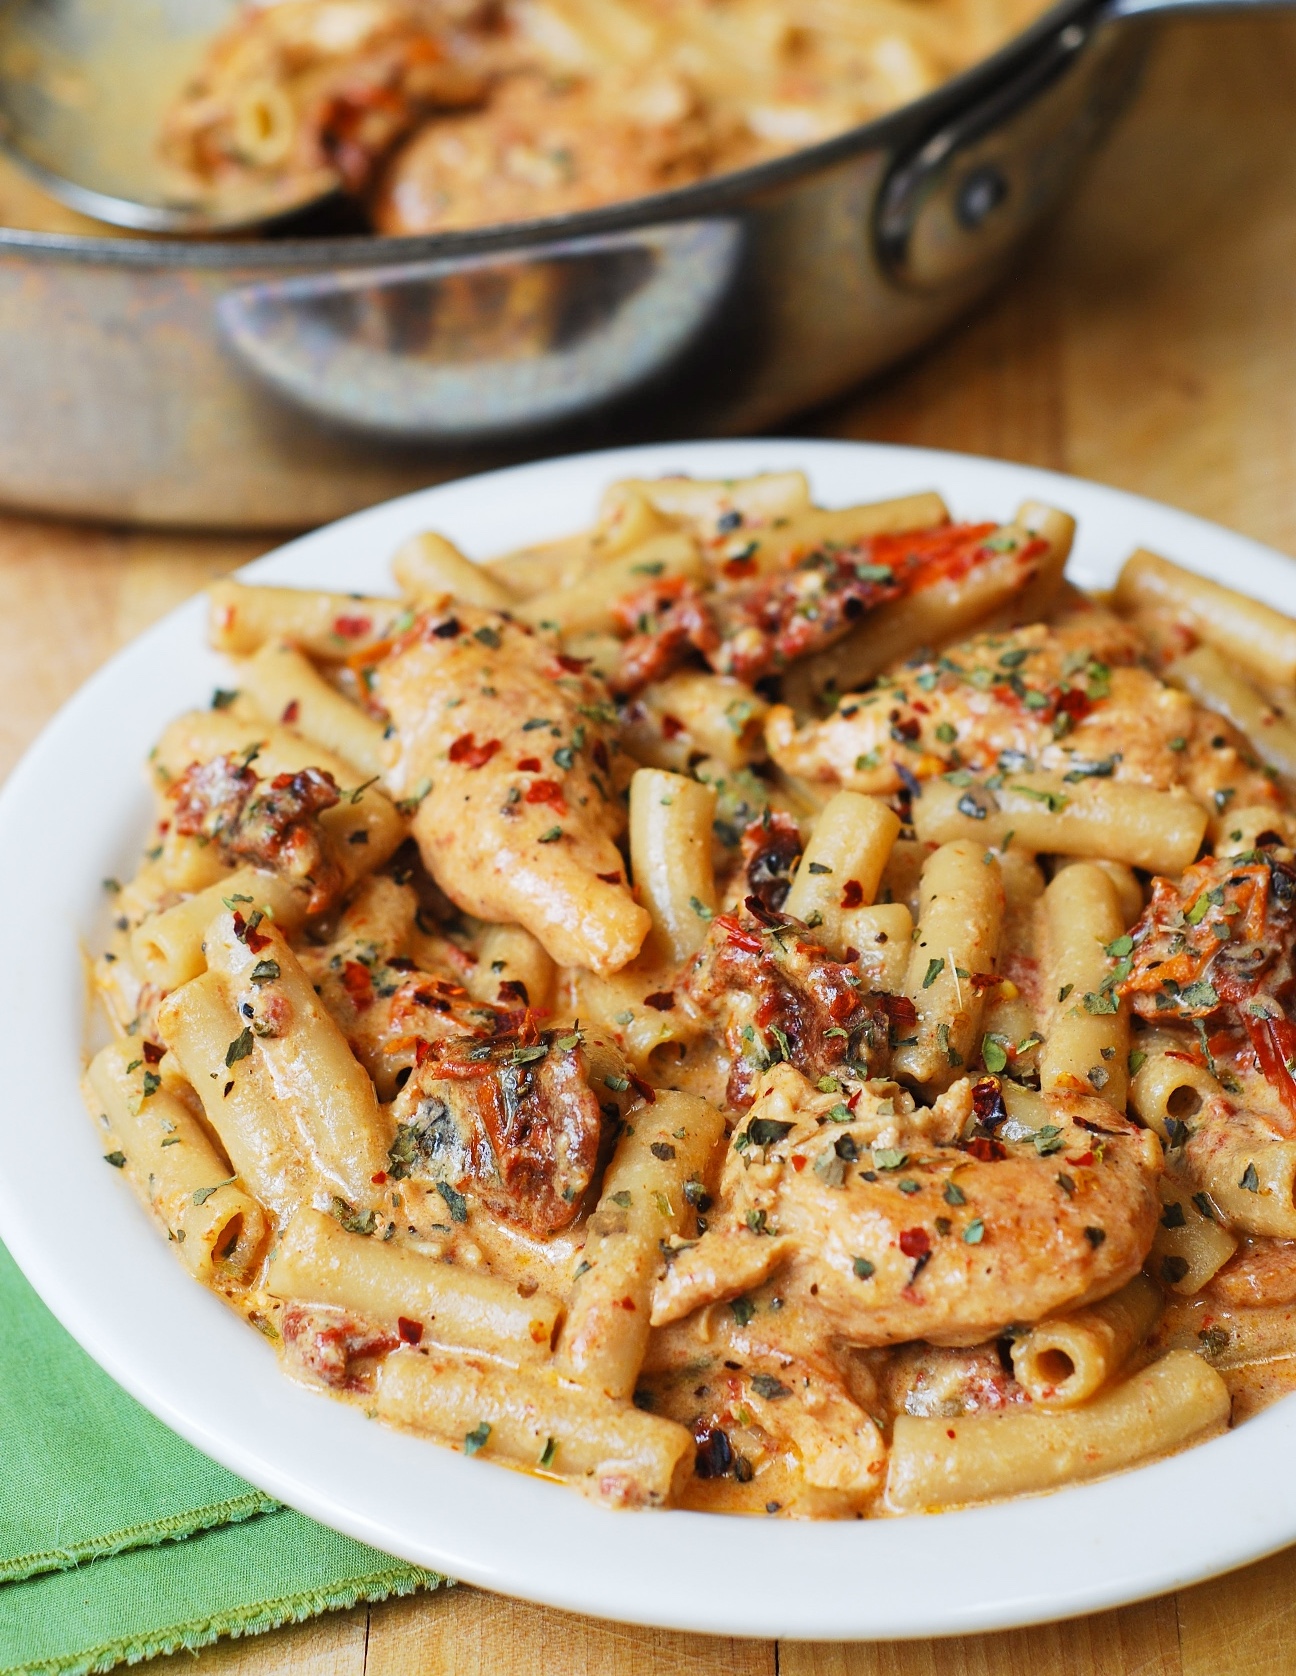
<point x="1149" y="341"/>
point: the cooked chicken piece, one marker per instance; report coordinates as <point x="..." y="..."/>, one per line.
<point x="1071" y="699"/>
<point x="774" y="993"/>
<point x="503" y="751"/>
<point x="887" y="1223"/>
<point x="319" y="88"/>
<point x="509" y="1121"/>
<point x="546" y="147"/>
<point x="270" y="823"/>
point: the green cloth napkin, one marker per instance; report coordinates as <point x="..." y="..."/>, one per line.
<point x="95" y="1495"/>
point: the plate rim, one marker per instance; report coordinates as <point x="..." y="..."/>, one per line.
<point x="819" y="1561"/>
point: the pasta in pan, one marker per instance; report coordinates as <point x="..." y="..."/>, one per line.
<point x="571" y="1025"/>
<point x="463" y="113"/>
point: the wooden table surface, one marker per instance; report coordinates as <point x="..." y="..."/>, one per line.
<point x="1149" y="341"/>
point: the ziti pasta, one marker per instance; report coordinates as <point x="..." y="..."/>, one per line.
<point x="747" y="1007"/>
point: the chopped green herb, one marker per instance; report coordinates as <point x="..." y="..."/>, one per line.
<point x="202" y="1194"/>
<point x="994" y="1055"/>
<point x="954" y="1194"/>
<point x="477" y="1438"/>
<point x="862" y="1268"/>
<point x="974" y="1233"/>
<point x="551" y="837"/>
<point x="935" y="967"/>
<point x="622" y="1199"/>
<point x="455" y="1202"/>
<point x="239" y="1048"/>
<point x="117" y="1159"/>
<point x="1250" y="1180"/>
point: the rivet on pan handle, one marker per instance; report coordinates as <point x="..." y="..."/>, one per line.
<point x="460" y="348"/>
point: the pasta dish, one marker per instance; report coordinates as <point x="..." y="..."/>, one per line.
<point x="749" y="1007"/>
<point x="464" y="113"/>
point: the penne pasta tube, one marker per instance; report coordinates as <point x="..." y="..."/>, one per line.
<point x="843" y="863"/>
<point x="317" y="1261"/>
<point x="189" y="864"/>
<point x="1169" y="1086"/>
<point x="882" y="937"/>
<point x="1239" y="1337"/>
<point x="667" y="1144"/>
<point x="1217" y="686"/>
<point x="674" y="719"/>
<point x="317" y="1084"/>
<point x="939" y="1463"/>
<point x="1252" y="1181"/>
<point x="1063" y="1361"/>
<point x="525" y="1417"/>
<point x="243" y="618"/>
<point x="956" y="942"/>
<point x="1256" y="636"/>
<point x="1189" y="1246"/>
<point x="1137" y="825"/>
<point x="587" y="605"/>
<point x="758" y="499"/>
<point x="1086" y="1047"/>
<point x="200" y="735"/>
<point x="286" y="684"/>
<point x="200" y="1027"/>
<point x="167" y="948"/>
<point x="219" y="1230"/>
<point x="1129" y="892"/>
<point x="512" y="968"/>
<point x="428" y="567"/>
<point x="670" y="857"/>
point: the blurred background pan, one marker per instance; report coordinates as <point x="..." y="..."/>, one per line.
<point x="278" y="383"/>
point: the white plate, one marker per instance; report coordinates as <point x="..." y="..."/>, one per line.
<point x="74" y="812"/>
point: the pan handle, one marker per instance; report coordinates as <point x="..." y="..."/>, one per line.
<point x="457" y="349"/>
<point x="951" y="210"/>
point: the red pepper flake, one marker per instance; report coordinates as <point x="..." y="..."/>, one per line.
<point x="358" y="985"/>
<point x="152" y="1052"/>
<point x="662" y="1000"/>
<point x="379" y="1179"/>
<point x="528" y="765"/>
<point x="672" y="726"/>
<point x="852" y="894"/>
<point x="291" y="711"/>
<point x="450" y="629"/>
<point x="609" y="878"/>
<point x="628" y="1303"/>
<point x="248" y="934"/>
<point x="573" y="666"/>
<point x="1084" y="1158"/>
<point x="1074" y="703"/>
<point x="546" y="791"/>
<point x="984" y="1149"/>
<point x="352" y="628"/>
<point x="740" y="937"/>
<point x="466" y="750"/>
<point x="737" y="569"/>
<point x="601" y="759"/>
<point x="645" y="1090"/>
<point x="422" y="1050"/>
<point x="915" y="1242"/>
<point x="410" y="1331"/>
<point x="798" y="1162"/>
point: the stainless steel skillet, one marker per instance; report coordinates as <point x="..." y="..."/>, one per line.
<point x="282" y="382"/>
